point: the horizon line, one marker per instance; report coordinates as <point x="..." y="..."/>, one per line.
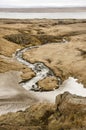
<point x="43" y="6"/>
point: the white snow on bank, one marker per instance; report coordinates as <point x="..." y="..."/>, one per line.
<point x="71" y="85"/>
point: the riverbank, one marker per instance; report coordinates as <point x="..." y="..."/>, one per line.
<point x="62" y="49"/>
<point x="13" y="97"/>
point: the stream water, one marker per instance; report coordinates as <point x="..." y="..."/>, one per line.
<point x="42" y="71"/>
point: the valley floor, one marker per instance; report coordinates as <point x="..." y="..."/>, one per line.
<point x="62" y="48"/>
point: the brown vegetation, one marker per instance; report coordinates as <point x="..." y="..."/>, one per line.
<point x="46" y="116"/>
<point x="48" y="84"/>
<point x="65" y="56"/>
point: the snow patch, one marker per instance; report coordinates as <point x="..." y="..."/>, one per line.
<point x="70" y="85"/>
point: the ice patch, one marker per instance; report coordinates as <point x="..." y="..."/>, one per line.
<point x="70" y="85"/>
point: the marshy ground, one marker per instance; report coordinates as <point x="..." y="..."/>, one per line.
<point x="63" y="51"/>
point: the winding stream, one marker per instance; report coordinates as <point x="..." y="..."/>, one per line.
<point x="40" y="69"/>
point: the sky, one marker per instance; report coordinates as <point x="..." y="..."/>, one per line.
<point x="30" y="3"/>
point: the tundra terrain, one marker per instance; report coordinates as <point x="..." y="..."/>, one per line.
<point x="62" y="48"/>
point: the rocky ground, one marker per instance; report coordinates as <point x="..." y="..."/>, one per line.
<point x="63" y="51"/>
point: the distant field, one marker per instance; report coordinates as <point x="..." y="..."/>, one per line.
<point x="44" y="10"/>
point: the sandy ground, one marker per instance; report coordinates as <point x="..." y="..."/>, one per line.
<point x="12" y="96"/>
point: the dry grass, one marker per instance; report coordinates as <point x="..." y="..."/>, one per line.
<point x="64" y="59"/>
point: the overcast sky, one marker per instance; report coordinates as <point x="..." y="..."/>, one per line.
<point x="27" y="3"/>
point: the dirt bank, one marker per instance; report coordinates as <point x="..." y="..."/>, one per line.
<point x="12" y="96"/>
